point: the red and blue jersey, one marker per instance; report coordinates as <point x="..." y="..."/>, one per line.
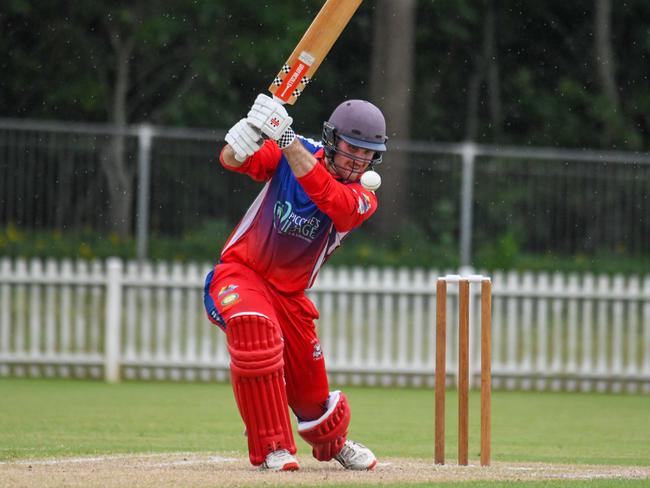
<point x="294" y="224"/>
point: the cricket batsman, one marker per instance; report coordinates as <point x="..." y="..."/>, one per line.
<point x="311" y="200"/>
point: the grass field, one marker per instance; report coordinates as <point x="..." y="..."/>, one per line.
<point x="58" y="418"/>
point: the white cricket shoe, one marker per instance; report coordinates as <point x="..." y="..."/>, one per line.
<point x="356" y="456"/>
<point x="280" y="460"/>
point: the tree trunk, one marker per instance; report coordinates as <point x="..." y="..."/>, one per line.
<point x="492" y="67"/>
<point x="604" y="52"/>
<point x="391" y="89"/>
<point x="606" y="69"/>
<point x="114" y="164"/>
<point x="486" y="68"/>
<point x="473" y="100"/>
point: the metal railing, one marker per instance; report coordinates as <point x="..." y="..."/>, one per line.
<point x="571" y="202"/>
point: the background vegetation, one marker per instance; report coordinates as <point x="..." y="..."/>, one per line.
<point x="561" y="74"/>
<point x="411" y="248"/>
<point x="528" y="73"/>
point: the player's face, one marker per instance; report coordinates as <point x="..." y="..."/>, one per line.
<point x="351" y="161"/>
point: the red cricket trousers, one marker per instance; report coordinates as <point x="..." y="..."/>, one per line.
<point x="233" y="289"/>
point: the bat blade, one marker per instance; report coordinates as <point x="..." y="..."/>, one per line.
<point x="309" y="53"/>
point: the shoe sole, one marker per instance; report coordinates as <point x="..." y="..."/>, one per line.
<point x="370" y="467"/>
<point x="291" y="466"/>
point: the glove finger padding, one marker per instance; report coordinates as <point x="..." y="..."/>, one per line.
<point x="244" y="139"/>
<point x="269" y="116"/>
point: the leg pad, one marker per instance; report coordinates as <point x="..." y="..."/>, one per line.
<point x="326" y="435"/>
<point x="256" y="368"/>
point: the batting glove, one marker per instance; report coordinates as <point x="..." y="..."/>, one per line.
<point x="272" y="119"/>
<point x="244" y="139"/>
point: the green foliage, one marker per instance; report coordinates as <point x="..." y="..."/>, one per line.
<point x="201" y="63"/>
<point x="410" y="246"/>
<point x="502" y="254"/>
<point x="600" y="262"/>
<point x="84" y="243"/>
<point x="202" y="245"/>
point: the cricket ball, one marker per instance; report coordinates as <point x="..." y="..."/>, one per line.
<point x="370" y="180"/>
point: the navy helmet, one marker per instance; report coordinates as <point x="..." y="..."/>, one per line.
<point x="357" y="122"/>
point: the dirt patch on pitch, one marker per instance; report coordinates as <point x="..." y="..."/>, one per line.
<point x="223" y="470"/>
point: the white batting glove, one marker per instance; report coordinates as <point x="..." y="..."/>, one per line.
<point x="272" y="119"/>
<point x="244" y="139"/>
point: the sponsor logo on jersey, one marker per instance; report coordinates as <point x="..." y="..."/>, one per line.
<point x="287" y="222"/>
<point x="226" y="289"/>
<point x="230" y="300"/>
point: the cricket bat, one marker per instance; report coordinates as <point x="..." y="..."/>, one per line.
<point x="316" y="42"/>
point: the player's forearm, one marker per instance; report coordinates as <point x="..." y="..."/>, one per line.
<point x="300" y="159"/>
<point x="228" y="157"/>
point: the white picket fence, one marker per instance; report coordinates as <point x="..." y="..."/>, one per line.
<point x="377" y="326"/>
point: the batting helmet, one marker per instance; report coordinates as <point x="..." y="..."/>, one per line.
<point x="359" y="123"/>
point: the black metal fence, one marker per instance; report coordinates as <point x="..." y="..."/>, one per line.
<point x="54" y="176"/>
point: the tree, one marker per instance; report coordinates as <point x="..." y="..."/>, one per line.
<point x="486" y="69"/>
<point x="155" y="61"/>
<point x="120" y="64"/>
<point x="603" y="51"/>
<point x="391" y="89"/>
<point x="615" y="125"/>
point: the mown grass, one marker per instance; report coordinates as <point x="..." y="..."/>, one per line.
<point x="48" y="418"/>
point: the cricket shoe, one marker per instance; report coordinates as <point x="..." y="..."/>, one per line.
<point x="280" y="460"/>
<point x="356" y="456"/>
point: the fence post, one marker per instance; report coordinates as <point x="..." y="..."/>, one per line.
<point x="145" y="134"/>
<point x="113" y="316"/>
<point x="466" y="203"/>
